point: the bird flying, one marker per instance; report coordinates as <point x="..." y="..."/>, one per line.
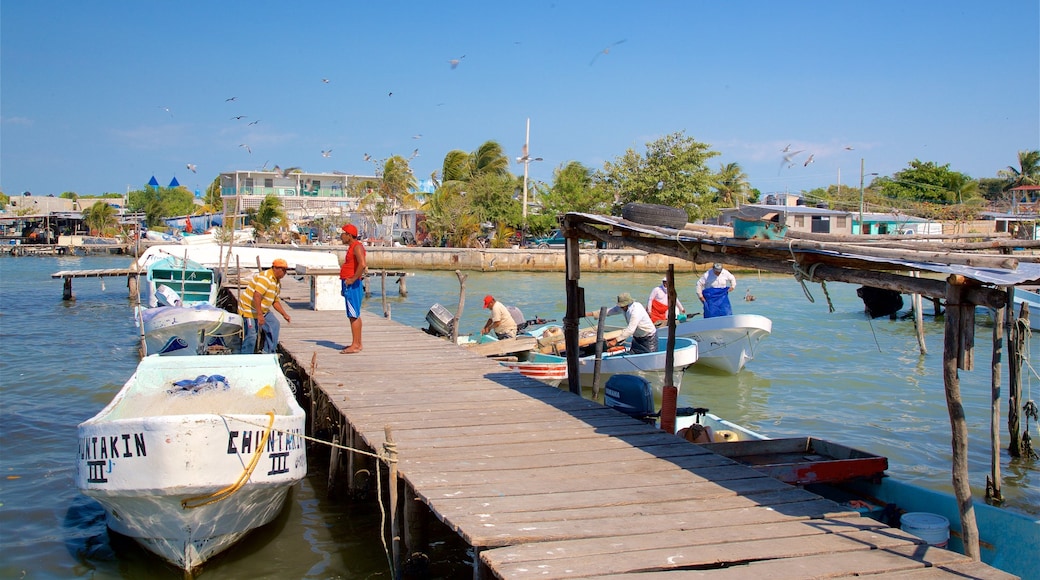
<point x="326" y="81"/>
<point x="786" y="149"/>
<point x="238" y="118"/>
<point x="789" y="159"/>
<point x="414" y="154"/>
<point x="605" y="51"/>
<point x="809" y="160"/>
<point x="326" y="152"/>
<point x="191" y="167"/>
<point x="229" y="99"/>
<point x="417" y="136"/>
<point x="455" y="62"/>
<point x="368" y="157"/>
<point x="254" y="122"/>
<point x="248" y="150"/>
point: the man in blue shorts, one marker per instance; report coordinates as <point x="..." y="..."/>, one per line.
<point x="351" y="274"/>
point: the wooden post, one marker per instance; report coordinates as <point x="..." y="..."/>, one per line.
<point x="955" y="356"/>
<point x="462" y="302"/>
<point x="915" y="299"/>
<point x="575" y="310"/>
<point x="401" y="288"/>
<point x="382" y="290"/>
<point x="414" y="523"/>
<point x="1018" y="333"/>
<point x="333" y="465"/>
<point x="133" y="285"/>
<point x="993" y="480"/>
<point x="390" y="449"/>
<point x="66" y="290"/>
<point x="669" y="393"/>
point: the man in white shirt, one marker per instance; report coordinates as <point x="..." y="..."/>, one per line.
<point x="501" y="320"/>
<point x="640" y="327"/>
<point x="713" y="289"/>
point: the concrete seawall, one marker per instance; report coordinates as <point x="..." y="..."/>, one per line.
<point x="519" y="260"/>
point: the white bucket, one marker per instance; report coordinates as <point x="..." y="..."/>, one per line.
<point x="932" y="528"/>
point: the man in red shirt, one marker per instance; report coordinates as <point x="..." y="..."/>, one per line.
<point x="351" y="274"/>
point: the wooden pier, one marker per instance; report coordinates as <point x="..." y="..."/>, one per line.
<point x="543" y="483"/>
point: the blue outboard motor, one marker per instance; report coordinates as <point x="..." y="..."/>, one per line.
<point x="632" y="395"/>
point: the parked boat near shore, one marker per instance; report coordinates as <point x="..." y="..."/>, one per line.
<point x="192" y="454"/>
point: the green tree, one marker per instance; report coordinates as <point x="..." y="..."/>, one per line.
<point x="573" y="189"/>
<point x="161" y="202"/>
<point x="673" y="172"/>
<point x="475" y="187"/>
<point x="731" y="184"/>
<point x="270" y="216"/>
<point x="213" y="201"/>
<point x="1027" y="172"/>
<point x="101" y="217"/>
<point x="69" y="195"/>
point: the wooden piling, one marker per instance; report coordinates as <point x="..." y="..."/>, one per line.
<point x="390" y="448"/>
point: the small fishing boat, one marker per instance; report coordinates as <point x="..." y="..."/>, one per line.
<point x="1008" y="540"/>
<point x="726" y="343"/>
<point x="191" y="330"/>
<point x="650" y="366"/>
<point x="175" y="281"/>
<point x="192" y="454"/>
<point x="182" y="317"/>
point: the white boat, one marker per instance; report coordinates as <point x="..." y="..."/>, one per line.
<point x="193" y="454"/>
<point x="182" y="318"/>
<point x="1031" y="299"/>
<point x="650" y="366"/>
<point x="191" y="330"/>
<point x="214" y="255"/>
<point x="726" y="343"/>
<point x="176" y="281"/>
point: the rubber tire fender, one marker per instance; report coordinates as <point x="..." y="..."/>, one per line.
<point x="655" y="215"/>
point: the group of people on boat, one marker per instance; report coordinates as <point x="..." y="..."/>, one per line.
<point x="713" y="290"/>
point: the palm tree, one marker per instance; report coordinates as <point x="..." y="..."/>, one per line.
<point x="100" y="217"/>
<point x="270" y="215"/>
<point x="1028" y="171"/>
<point x="732" y="184"/>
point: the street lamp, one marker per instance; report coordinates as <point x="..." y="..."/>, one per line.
<point x="861" y="175"/>
<point x="526" y="159"/>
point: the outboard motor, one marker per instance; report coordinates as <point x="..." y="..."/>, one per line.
<point x="632" y="395"/>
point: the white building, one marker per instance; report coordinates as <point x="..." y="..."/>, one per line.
<point x="303" y="195"/>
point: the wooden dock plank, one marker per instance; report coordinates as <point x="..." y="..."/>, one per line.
<point x="544" y="483"/>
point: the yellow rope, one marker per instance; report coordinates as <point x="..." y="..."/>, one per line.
<point x="220" y="495"/>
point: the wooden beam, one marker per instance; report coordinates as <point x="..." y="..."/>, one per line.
<point x="697" y="253"/>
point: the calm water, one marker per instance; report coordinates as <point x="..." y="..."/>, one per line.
<point x="831" y="375"/>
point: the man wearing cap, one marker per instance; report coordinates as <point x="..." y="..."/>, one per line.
<point x="351" y="273"/>
<point x="501" y="320"/>
<point x="640" y="327"/>
<point x="657" y="304"/>
<point x="255" y="304"/>
<point x="713" y="289"/>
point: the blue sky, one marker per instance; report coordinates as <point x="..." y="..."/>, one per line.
<point x="100" y="96"/>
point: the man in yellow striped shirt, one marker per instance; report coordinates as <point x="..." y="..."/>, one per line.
<point x="256" y="303"/>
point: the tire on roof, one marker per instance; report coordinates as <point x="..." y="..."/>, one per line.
<point x="655" y="215"/>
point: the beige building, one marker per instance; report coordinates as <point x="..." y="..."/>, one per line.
<point x="303" y="195"/>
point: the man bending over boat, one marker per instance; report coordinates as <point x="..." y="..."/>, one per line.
<point x="255" y="309"/>
<point x="501" y="320"/>
<point x="640" y="327"/>
<point x="713" y="289"/>
<point x="351" y="272"/>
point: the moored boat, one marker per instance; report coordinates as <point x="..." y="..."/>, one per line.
<point x="198" y="329"/>
<point x="191" y="455"/>
<point x="1008" y="540"/>
<point x="726" y="343"/>
<point x="1032" y="300"/>
<point x="651" y="366"/>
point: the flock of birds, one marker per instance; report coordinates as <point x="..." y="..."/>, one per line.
<point x="453" y="64"/>
<point x="789" y="157"/>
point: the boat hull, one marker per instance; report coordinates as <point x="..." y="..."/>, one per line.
<point x="726" y="343"/>
<point x="182" y="331"/>
<point x="552" y="369"/>
<point x="1031" y="299"/>
<point x="189" y="472"/>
